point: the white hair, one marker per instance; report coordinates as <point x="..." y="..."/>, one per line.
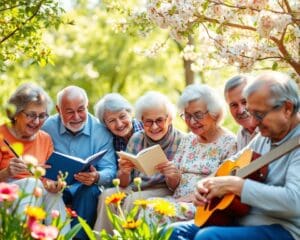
<point x="71" y="92"/>
<point x="152" y="100"/>
<point x="214" y="103"/>
<point x="112" y="102"/>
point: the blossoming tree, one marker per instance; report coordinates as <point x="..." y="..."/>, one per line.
<point x="235" y="32"/>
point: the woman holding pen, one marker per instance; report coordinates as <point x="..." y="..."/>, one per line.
<point x="27" y="110"/>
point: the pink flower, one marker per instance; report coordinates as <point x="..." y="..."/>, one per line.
<point x="54" y="213"/>
<point x="8" y="192"/>
<point x="42" y="232"/>
<point x="37" y="192"/>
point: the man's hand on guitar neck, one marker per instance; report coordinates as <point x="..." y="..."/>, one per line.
<point x="212" y="187"/>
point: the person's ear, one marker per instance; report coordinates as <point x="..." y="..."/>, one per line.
<point x="289" y="108"/>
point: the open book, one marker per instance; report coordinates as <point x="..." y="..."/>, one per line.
<point x="146" y="160"/>
<point x="66" y="163"/>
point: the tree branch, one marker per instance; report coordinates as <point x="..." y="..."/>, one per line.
<point x="12" y="7"/>
<point x="278" y="42"/>
<point x="288" y="8"/>
<point x="286" y="55"/>
<point x="24" y="23"/>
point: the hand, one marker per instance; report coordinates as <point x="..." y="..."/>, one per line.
<point x="169" y="170"/>
<point x="88" y="178"/>
<point x="16" y="166"/>
<point x="212" y="187"/>
<point x="171" y="173"/>
<point x="53" y="186"/>
<point x="125" y="166"/>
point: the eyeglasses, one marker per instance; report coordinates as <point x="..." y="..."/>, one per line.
<point x="159" y="122"/>
<point x="197" y="116"/>
<point x="260" y="116"/>
<point x="32" y="116"/>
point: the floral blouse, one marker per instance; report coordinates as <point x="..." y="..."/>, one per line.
<point x="197" y="160"/>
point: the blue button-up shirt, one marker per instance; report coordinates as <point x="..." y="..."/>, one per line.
<point x="93" y="138"/>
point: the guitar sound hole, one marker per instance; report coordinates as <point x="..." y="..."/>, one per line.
<point x="214" y="202"/>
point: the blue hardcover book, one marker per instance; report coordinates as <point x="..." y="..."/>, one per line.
<point x="60" y="162"/>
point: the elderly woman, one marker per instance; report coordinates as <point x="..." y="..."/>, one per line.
<point x="200" y="152"/>
<point x="27" y="110"/>
<point x="156" y="112"/>
<point x="115" y="112"/>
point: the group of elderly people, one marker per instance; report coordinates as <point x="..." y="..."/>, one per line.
<point x="192" y="157"/>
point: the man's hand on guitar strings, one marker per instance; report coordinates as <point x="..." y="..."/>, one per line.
<point x="212" y="187"/>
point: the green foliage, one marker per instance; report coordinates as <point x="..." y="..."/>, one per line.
<point x="22" y="23"/>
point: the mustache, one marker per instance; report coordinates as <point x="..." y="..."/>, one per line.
<point x="243" y="115"/>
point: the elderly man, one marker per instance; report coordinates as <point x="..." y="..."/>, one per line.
<point x="76" y="132"/>
<point x="237" y="105"/>
<point x="273" y="101"/>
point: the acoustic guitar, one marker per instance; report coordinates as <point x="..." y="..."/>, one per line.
<point x="220" y="208"/>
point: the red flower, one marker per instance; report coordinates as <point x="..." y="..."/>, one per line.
<point x="71" y="213"/>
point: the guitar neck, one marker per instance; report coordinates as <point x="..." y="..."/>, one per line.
<point x="269" y="157"/>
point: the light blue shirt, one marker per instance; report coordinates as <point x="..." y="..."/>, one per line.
<point x="277" y="200"/>
<point x="93" y="138"/>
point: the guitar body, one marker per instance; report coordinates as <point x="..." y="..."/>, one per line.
<point x="221" y="211"/>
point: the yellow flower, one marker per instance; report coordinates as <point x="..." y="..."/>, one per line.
<point x="131" y="224"/>
<point x="141" y="202"/>
<point x="164" y="207"/>
<point x="35" y="212"/>
<point x="115" y="198"/>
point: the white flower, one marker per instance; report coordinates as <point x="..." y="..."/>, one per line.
<point x="265" y="24"/>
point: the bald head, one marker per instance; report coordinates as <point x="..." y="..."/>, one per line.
<point x="71" y="93"/>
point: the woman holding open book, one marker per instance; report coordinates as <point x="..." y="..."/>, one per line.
<point x="156" y="112"/>
<point x="200" y="152"/>
<point x="27" y="110"/>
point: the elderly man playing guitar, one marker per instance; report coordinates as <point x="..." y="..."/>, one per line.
<point x="273" y="100"/>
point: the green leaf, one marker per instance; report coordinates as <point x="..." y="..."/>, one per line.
<point x="274" y="66"/>
<point x="87" y="228"/>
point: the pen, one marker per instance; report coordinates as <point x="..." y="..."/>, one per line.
<point x="10" y="147"/>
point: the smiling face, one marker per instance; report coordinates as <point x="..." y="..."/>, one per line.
<point x="237" y="105"/>
<point x="200" y="127"/>
<point x="119" y="123"/>
<point x="26" y="126"/>
<point x="73" y="112"/>
<point x="276" y="120"/>
<point x="156" y="122"/>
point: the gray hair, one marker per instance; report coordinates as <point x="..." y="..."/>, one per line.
<point x="71" y="92"/>
<point x="25" y="94"/>
<point x="234" y="82"/>
<point x="208" y="95"/>
<point x="281" y="87"/>
<point x="151" y="100"/>
<point x="112" y="102"/>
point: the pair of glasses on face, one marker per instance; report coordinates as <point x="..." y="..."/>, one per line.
<point x="160" y="122"/>
<point x="197" y="116"/>
<point x="32" y="116"/>
<point x="259" y="116"/>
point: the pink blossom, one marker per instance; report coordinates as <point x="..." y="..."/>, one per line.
<point x="37" y="192"/>
<point x="42" y="232"/>
<point x="8" y="192"/>
<point x="54" y="213"/>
